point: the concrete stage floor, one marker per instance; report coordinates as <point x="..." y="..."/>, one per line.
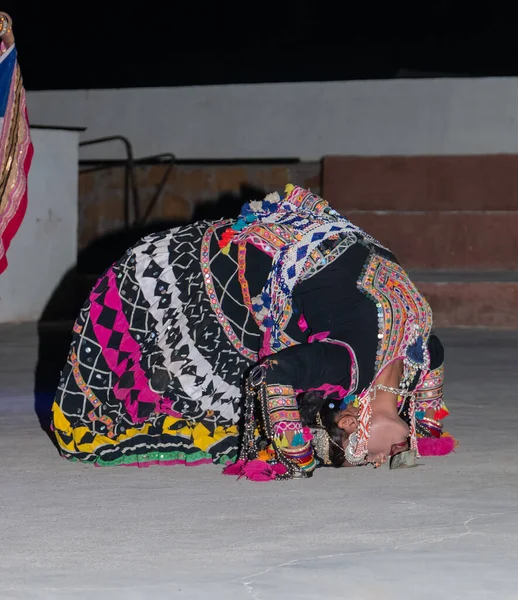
<point x="448" y="528"/>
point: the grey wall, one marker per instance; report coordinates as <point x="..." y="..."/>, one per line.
<point x="45" y="246"/>
<point x="398" y="117"/>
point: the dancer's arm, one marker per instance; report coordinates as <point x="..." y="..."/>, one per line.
<point x="291" y="371"/>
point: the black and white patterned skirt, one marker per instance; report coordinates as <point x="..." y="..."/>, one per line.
<point x="155" y="369"/>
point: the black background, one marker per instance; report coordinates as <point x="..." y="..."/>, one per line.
<point x="111" y="44"/>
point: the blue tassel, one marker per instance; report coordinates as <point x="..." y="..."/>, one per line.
<point x="267" y="301"/>
<point x="269" y="206"/>
<point x="240" y="225"/>
<point x="298" y="440"/>
<point x="416" y="352"/>
<point x="268" y="322"/>
<point x="346" y="401"/>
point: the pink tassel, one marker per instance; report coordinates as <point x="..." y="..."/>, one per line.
<point x="257" y="470"/>
<point x="435" y="446"/>
<point x="265" y="350"/>
<point x="279" y="469"/>
<point x="306" y="434"/>
<point x="234" y="468"/>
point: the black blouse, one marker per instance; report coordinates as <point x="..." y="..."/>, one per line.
<point x="331" y="304"/>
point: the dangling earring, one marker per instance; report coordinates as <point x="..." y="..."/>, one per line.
<point x="321" y="441"/>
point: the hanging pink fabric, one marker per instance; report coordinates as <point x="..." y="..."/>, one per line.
<point x="16" y="149"/>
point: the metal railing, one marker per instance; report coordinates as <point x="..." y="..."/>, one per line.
<point x="167" y="158"/>
<point x="131" y="191"/>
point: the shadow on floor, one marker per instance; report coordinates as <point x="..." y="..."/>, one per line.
<point x="55" y="326"/>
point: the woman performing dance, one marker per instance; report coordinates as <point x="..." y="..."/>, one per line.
<point x="272" y="344"/>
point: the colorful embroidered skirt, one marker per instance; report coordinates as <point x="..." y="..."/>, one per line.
<point x="151" y="376"/>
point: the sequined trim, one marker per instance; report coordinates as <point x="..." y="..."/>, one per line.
<point x="271" y="238"/>
<point x="430" y="394"/>
<point x="89" y="395"/>
<point x="319" y="258"/>
<point x="355" y="371"/>
<point x="283" y="410"/>
<point x="404" y="316"/>
<point x="241" y="275"/>
<point x="211" y="292"/>
<point x="285" y="340"/>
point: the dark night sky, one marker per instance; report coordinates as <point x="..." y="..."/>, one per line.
<point x="203" y="43"/>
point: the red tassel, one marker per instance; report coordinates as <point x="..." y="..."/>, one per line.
<point x="436" y="446"/>
<point x="440" y="414"/>
<point x="226" y="237"/>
